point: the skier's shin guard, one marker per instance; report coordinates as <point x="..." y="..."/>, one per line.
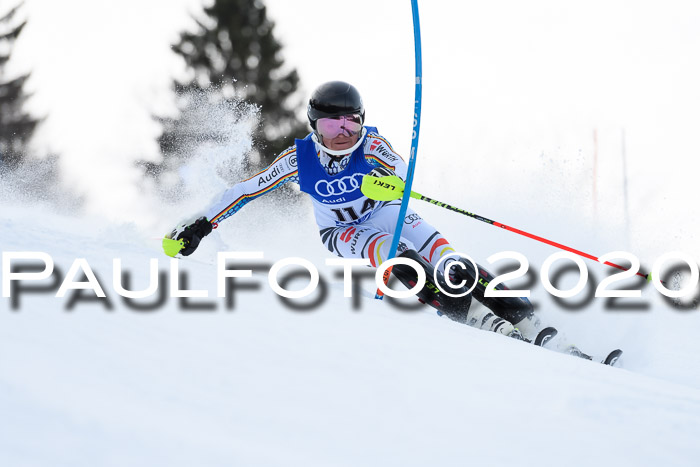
<point x="455" y="308"/>
<point x="516" y="310"/>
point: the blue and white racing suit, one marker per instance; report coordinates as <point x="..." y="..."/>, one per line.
<point x="354" y="226"/>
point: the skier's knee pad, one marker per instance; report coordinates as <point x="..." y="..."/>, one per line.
<point x="455" y="308"/>
<point x="513" y="309"/>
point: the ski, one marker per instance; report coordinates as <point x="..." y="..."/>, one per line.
<point x="548" y="333"/>
<point x="545" y="336"/>
<point x="611" y="359"/>
<point x="542" y="337"/>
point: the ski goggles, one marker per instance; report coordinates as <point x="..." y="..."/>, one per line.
<point x="346" y="125"/>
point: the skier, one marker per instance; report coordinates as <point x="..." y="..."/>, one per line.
<point x="328" y="164"/>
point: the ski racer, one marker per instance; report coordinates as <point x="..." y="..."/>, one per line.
<point x="329" y="164"/>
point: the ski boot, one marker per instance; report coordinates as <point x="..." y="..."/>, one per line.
<point x="515" y="310"/>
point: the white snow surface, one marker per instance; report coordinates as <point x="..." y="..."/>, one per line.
<point x="264" y="385"/>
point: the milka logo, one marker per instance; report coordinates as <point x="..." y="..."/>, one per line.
<point x="348" y="184"/>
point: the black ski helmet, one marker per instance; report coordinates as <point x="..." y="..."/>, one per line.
<point x="334" y="99"/>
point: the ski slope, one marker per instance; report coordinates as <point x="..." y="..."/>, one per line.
<point x="264" y="385"/>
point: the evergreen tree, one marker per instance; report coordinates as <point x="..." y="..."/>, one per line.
<point x="16" y="127"/>
<point x="234" y="57"/>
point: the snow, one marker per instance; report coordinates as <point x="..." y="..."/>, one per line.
<point x="250" y="381"/>
<point x="260" y="384"/>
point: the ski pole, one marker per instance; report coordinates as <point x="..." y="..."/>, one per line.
<point x="392" y="187"/>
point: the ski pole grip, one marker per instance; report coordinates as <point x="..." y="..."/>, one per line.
<point x="387" y="188"/>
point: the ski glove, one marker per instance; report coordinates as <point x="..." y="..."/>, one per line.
<point x="381" y="172"/>
<point x="192" y="234"/>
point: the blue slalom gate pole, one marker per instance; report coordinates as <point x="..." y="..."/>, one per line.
<point x="414" y="142"/>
